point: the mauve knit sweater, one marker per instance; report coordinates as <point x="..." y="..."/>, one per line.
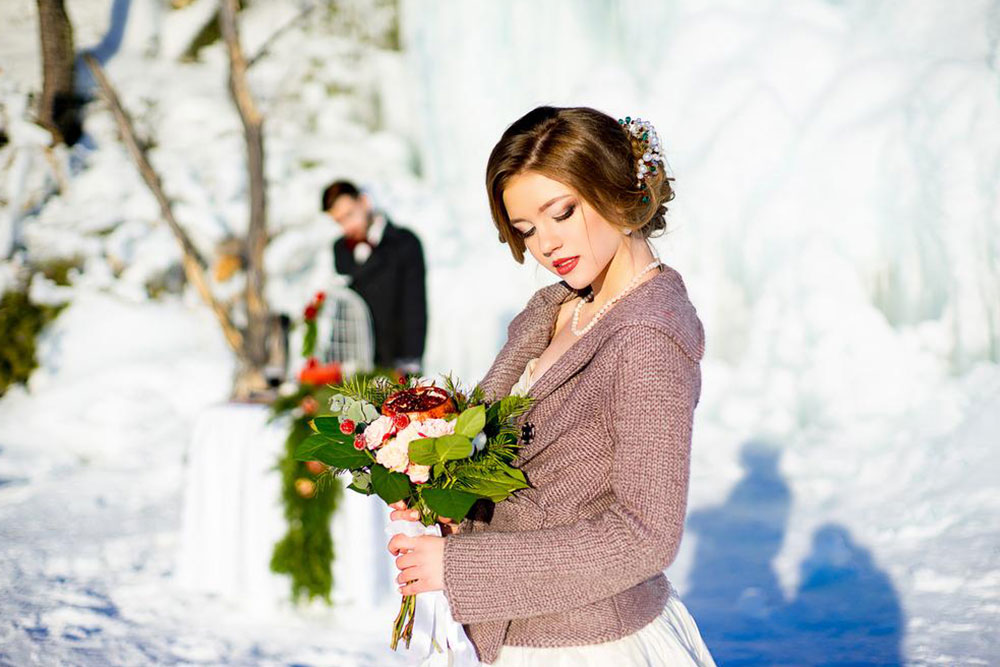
<point x="578" y="558"/>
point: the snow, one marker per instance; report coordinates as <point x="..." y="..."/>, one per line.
<point x="836" y="224"/>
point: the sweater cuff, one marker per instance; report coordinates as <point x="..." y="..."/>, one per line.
<point x="464" y="554"/>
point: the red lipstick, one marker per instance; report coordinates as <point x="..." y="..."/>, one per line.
<point x="564" y="266"/>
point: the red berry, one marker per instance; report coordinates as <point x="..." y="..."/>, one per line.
<point x="402" y="380"/>
<point x="309" y="405"/>
<point x="347" y="427"/>
<point x="359" y="441"/>
<point x="401" y="421"/>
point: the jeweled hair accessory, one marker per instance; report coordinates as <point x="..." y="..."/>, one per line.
<point x="645" y="134"/>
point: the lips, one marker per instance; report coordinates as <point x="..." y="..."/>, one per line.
<point x="564" y="266"/>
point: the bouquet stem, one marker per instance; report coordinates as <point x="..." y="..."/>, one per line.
<point x="403" y="625"/>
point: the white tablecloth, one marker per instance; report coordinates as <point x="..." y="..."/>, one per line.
<point x="233" y="516"/>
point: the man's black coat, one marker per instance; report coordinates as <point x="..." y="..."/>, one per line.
<point x="391" y="281"/>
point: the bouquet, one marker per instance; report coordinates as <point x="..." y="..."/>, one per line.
<point x="437" y="448"/>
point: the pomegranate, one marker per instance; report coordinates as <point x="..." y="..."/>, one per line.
<point x="419" y="403"/>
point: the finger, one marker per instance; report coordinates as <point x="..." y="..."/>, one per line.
<point x="408" y="575"/>
<point x="399" y="505"/>
<point x="414" y="588"/>
<point x="444" y="519"/>
<point x="406" y="560"/>
<point x="400" y="543"/>
<point x="395" y="544"/>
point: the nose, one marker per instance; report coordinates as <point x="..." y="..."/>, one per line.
<point x="548" y="241"/>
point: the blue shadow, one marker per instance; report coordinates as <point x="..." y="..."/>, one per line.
<point x="845" y="611"/>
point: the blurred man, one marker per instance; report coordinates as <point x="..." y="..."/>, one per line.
<point x="385" y="264"/>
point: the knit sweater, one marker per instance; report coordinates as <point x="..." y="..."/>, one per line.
<point x="578" y="558"/>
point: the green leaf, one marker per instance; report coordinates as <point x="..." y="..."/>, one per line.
<point x="330" y="427"/>
<point x="390" y="486"/>
<point x="449" y="502"/>
<point x="367" y="491"/>
<point x="422" y="451"/>
<point x="471" y="421"/>
<point x="362" y="479"/>
<point x="437" y="470"/>
<point x="452" y="447"/>
<point x="319" y="447"/>
<point x="356" y="412"/>
<point x="497" y="485"/>
<point x="516" y="473"/>
<point x="371" y="412"/>
<point x="309" y="340"/>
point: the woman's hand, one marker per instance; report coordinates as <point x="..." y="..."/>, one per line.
<point x="420" y="561"/>
<point x="400" y="512"/>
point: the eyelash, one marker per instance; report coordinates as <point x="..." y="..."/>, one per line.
<point x="565" y="216"/>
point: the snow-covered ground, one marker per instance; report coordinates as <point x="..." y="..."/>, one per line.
<point x="836" y="223"/>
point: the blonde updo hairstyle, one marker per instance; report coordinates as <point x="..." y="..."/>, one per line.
<point x="588" y="151"/>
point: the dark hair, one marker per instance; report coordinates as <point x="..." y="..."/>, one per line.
<point x="587" y="150"/>
<point x="335" y="190"/>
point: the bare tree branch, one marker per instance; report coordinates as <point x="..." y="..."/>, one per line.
<point x="269" y="42"/>
<point x="194" y="265"/>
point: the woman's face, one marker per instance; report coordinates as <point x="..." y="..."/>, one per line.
<point x="560" y="230"/>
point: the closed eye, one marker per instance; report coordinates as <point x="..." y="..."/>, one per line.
<point x="565" y="214"/>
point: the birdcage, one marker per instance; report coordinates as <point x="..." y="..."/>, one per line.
<point x="351" y="337"/>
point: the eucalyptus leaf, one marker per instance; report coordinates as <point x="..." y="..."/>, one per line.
<point x="356" y="412"/>
<point x="364" y="491"/>
<point x="361" y="479"/>
<point x="370" y="412"/>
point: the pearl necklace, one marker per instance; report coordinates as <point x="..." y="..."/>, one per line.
<point x="576" y="311"/>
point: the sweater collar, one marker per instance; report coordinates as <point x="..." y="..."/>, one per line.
<point x="661" y="302"/>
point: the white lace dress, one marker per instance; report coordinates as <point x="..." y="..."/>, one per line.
<point x="672" y="638"/>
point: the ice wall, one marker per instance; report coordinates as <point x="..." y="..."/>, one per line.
<point x="840" y="145"/>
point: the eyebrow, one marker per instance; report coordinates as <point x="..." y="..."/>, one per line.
<point x="543" y="207"/>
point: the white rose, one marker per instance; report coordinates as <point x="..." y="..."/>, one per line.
<point x="418" y="473"/>
<point x="376" y="431"/>
<point x="435" y="428"/>
<point x="394" y="455"/>
<point x="408" y="435"/>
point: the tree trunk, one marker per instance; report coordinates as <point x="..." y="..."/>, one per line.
<point x="255" y="340"/>
<point x="58" y="108"/>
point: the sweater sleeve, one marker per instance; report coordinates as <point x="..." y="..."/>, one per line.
<point x="505" y="575"/>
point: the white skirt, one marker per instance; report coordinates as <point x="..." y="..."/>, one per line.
<point x="672" y="638"/>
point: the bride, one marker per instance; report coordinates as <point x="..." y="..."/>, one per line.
<point x="570" y="571"/>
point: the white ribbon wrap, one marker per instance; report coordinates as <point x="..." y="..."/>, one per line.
<point x="438" y="640"/>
